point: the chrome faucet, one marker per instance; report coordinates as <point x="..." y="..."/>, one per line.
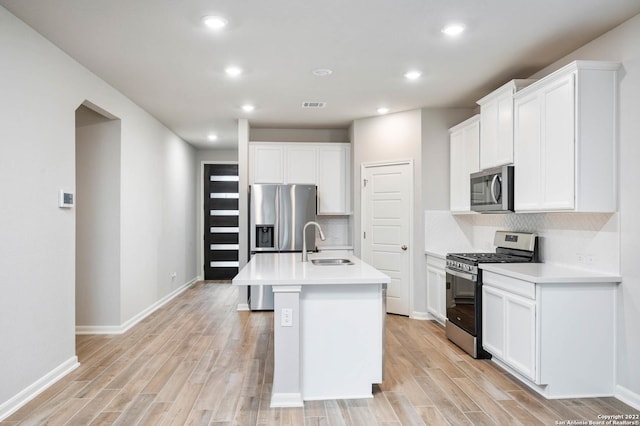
<point x="305" y="255"/>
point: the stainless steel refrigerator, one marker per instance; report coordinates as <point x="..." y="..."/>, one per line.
<point x="277" y="215"/>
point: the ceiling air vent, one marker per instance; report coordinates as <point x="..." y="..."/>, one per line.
<point x="314" y="104"/>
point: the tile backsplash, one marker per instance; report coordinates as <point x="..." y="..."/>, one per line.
<point x="336" y="230"/>
<point x="583" y="240"/>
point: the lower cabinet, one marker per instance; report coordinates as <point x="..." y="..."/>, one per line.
<point x="509" y="329"/>
<point x="556" y="337"/>
<point x="436" y="288"/>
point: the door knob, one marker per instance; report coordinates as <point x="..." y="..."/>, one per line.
<point x="404" y="247"/>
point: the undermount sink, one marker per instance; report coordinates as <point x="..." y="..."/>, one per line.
<point x="331" y="262"/>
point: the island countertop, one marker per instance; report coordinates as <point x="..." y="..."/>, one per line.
<point x="288" y="269"/>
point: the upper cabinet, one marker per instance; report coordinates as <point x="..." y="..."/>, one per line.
<point x="301" y="165"/>
<point x="334" y="179"/>
<point x="464" y="148"/>
<point x="496" y="125"/>
<point x="565" y="140"/>
<point x="266" y="163"/>
<point x="326" y="165"/>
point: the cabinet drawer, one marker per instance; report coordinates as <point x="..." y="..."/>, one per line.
<point x="522" y="288"/>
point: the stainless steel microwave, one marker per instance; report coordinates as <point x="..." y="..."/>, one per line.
<point x="492" y="190"/>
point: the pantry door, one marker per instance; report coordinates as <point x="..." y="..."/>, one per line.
<point x="387" y="206"/>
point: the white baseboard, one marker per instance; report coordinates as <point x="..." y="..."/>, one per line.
<point x="15" y="403"/>
<point x="242" y="307"/>
<point x="119" y="329"/>
<point x="286" y="400"/>
<point x="628" y="397"/>
<point x="423" y="316"/>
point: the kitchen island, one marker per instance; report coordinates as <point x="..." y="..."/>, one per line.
<point x="328" y="325"/>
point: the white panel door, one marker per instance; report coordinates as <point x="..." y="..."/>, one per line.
<point x="386" y="214"/>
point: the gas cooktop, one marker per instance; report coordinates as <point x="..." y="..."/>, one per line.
<point x="511" y="247"/>
<point x="488" y="257"/>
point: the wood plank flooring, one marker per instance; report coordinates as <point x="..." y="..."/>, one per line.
<point x="198" y="361"/>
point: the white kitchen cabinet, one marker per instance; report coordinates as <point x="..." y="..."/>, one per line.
<point x="436" y="288"/>
<point x="565" y="140"/>
<point x="301" y="164"/>
<point x="555" y="336"/>
<point x="508" y="329"/>
<point x="333" y="179"/>
<point x="496" y="125"/>
<point x="463" y="160"/>
<point x="326" y="165"/>
<point x="266" y="163"/>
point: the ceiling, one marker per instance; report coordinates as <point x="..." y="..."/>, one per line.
<point x="160" y="55"/>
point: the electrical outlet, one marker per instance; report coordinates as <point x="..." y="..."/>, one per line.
<point x="174" y="275"/>
<point x="580" y="258"/>
<point x="286" y="317"/>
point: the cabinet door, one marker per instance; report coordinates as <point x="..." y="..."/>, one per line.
<point x="493" y="318"/>
<point x="545" y="148"/>
<point x="489" y="134"/>
<point x="464" y="160"/>
<point x="527" y="153"/>
<point x="504" y="139"/>
<point x="333" y="179"/>
<point x="266" y="163"/>
<point x="496" y="126"/>
<point x="436" y="293"/>
<point x="520" y="335"/>
<point x="301" y="164"/>
<point x="557" y="145"/>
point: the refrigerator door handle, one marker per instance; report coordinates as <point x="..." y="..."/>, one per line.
<point x="276" y="225"/>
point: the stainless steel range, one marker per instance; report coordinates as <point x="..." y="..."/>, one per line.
<point x="464" y="286"/>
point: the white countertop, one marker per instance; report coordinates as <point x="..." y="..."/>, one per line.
<point x="288" y="269"/>
<point x="548" y="273"/>
<point x="439" y="255"/>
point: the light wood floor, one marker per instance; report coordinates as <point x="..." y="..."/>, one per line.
<point x="198" y="361"/>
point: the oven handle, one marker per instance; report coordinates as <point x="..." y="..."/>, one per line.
<point x="464" y="275"/>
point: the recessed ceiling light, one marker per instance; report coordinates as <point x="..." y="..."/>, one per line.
<point x="215" y="22"/>
<point x="383" y="110"/>
<point x="212" y="137"/>
<point x="453" y="30"/>
<point x="233" y="71"/>
<point x="248" y="108"/>
<point x="322" y="72"/>
<point x="413" y="75"/>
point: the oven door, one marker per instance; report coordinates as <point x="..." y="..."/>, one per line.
<point x="462" y="290"/>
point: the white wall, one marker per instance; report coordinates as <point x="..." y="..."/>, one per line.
<point x="97" y="219"/>
<point x="298" y="135"/>
<point x="391" y="138"/>
<point x="621" y="44"/>
<point x="436" y="123"/>
<point x="41" y="88"/>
